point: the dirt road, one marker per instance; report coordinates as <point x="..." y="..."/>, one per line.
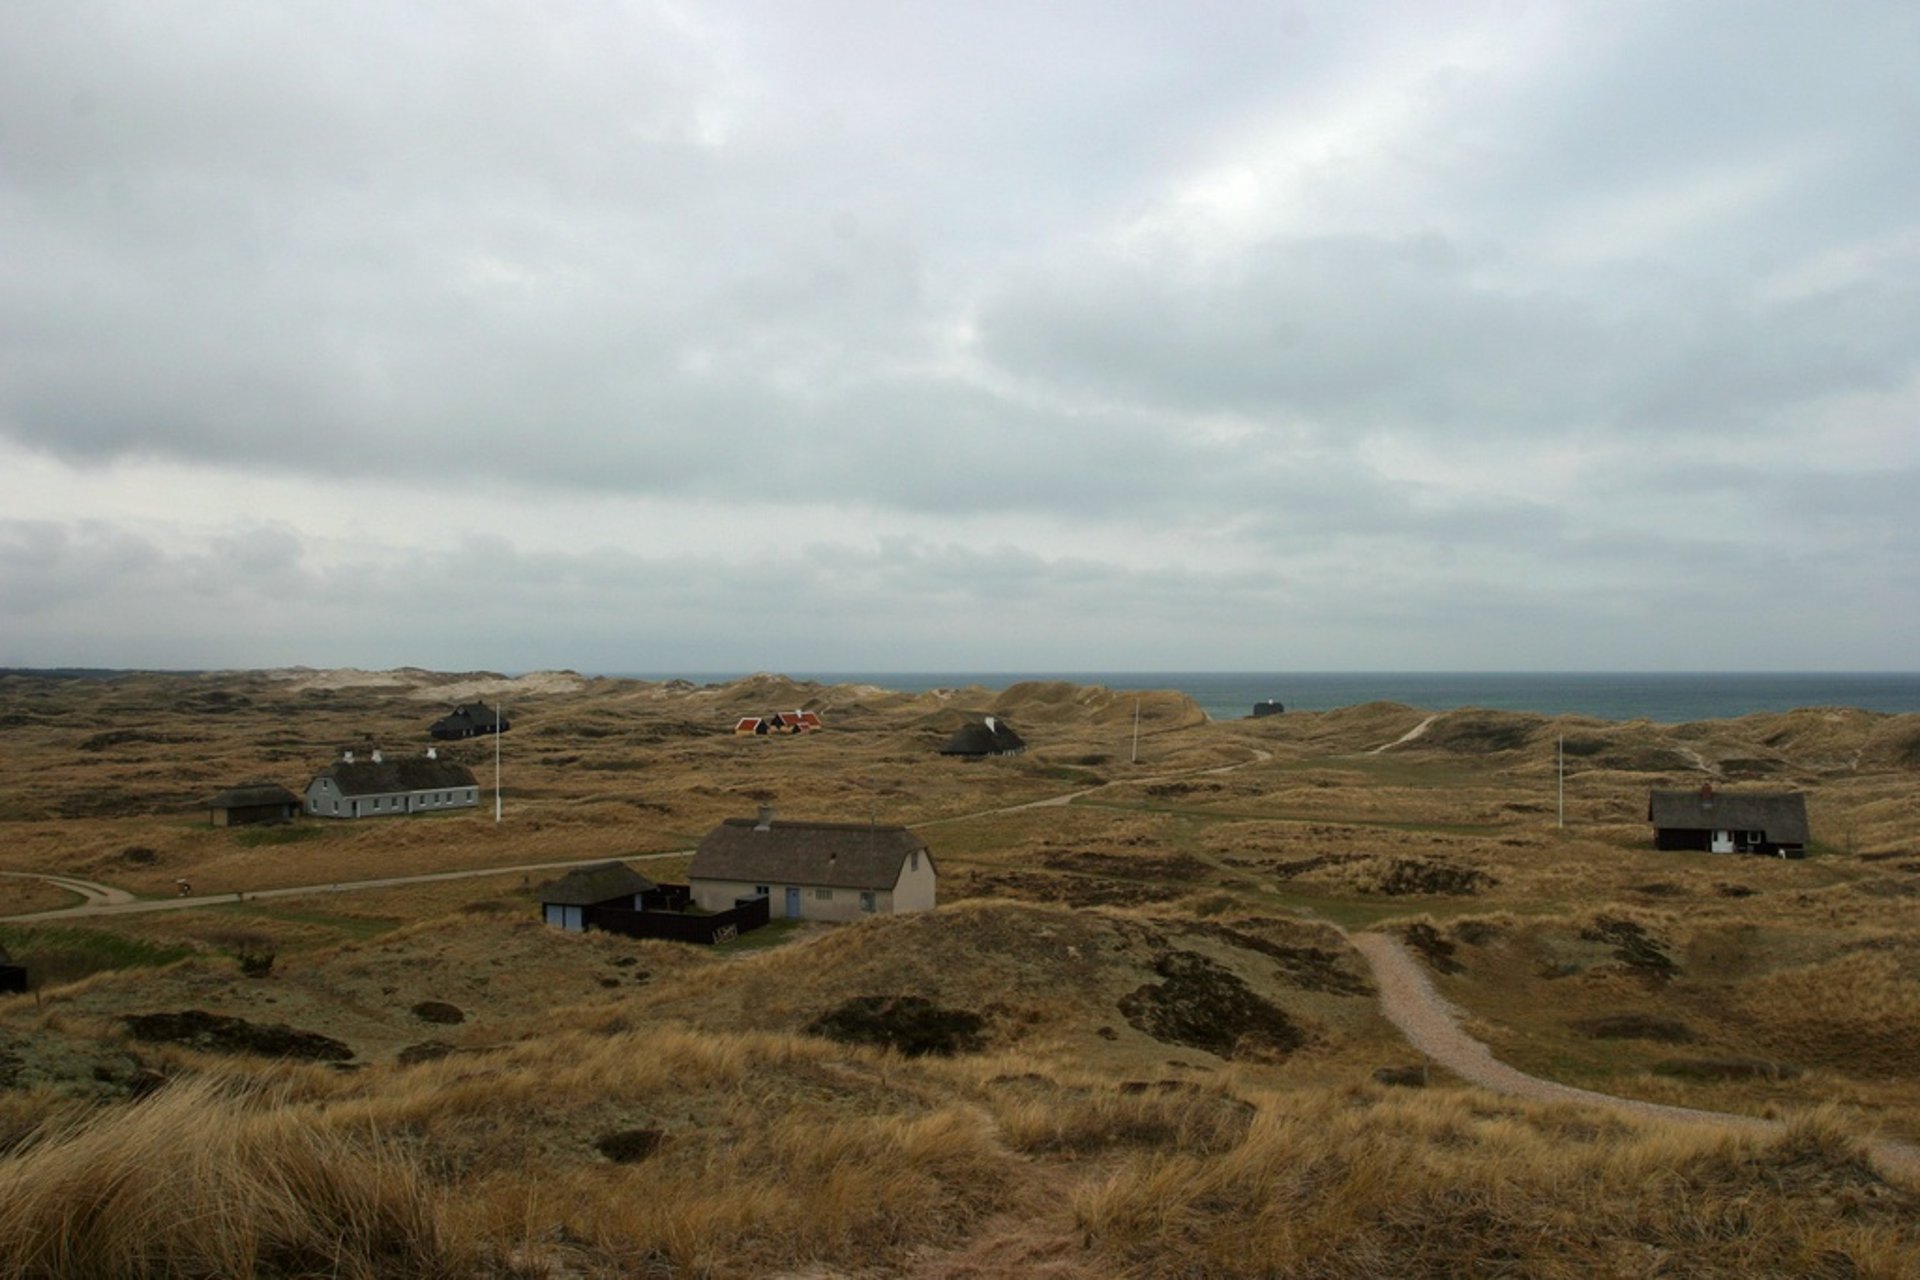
<point x="104" y="900"/>
<point x="1432" y="1025"/>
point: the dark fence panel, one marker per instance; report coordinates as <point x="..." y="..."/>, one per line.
<point x="747" y="915"/>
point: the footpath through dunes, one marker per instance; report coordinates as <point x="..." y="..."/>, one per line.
<point x="1432" y="1025"/>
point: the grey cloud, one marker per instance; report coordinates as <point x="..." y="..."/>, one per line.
<point x="863" y="256"/>
<point x="1354" y="334"/>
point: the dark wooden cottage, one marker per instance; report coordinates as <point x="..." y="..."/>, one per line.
<point x="614" y="898"/>
<point x="991" y="736"/>
<point x="470" y="720"/>
<point x="1773" y="823"/>
<point x="566" y="902"/>
<point x="253" y="802"/>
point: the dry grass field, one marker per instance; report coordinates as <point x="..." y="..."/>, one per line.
<point x="1151" y="1051"/>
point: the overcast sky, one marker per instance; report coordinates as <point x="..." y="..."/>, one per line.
<point x="717" y="336"/>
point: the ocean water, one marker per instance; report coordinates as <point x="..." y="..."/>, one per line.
<point x="1666" y="697"/>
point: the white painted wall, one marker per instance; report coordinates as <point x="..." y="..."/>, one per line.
<point x="914" y="892"/>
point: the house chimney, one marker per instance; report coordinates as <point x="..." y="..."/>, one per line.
<point x="433" y="753"/>
<point x="376" y="755"/>
<point x="765" y="822"/>
<point x="347" y="755"/>
<point x="1706" y="795"/>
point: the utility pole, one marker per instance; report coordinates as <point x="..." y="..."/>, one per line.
<point x="1560" y="770"/>
<point x="1136" y="732"/>
<point x="499" y="711"/>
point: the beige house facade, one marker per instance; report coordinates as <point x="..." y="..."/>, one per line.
<point x="832" y="871"/>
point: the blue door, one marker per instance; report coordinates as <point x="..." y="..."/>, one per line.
<point x="793" y="903"/>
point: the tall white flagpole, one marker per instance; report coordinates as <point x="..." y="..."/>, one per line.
<point x="1136" y="732"/>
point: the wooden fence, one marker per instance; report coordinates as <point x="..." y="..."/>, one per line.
<point x="746" y="915"/>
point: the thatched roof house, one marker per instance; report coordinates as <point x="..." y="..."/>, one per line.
<point x="253" y="802"/>
<point x="470" y="720"/>
<point x="350" y="788"/>
<point x="813" y="870"/>
<point x="989" y="737"/>
<point x="1770" y="822"/>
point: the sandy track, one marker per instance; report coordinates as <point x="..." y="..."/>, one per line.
<point x="126" y="904"/>
<point x="1432" y="1025"/>
<point x="95" y="893"/>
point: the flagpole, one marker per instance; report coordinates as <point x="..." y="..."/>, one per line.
<point x="498" y="711"/>
<point x="1560" y="771"/>
<point x="1136" y="732"/>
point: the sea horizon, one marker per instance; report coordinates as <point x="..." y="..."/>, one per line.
<point x="1670" y="697"/>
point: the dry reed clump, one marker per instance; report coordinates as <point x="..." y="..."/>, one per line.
<point x="771" y="1150"/>
<point x="203" y="1181"/>
<point x="1162" y="1115"/>
<point x="1434" y="1185"/>
<point x="766" y="1191"/>
<point x="1858" y="1013"/>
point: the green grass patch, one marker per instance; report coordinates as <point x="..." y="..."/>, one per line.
<point x="1421" y="775"/>
<point x="353" y="926"/>
<point x="772" y="934"/>
<point x="288" y="833"/>
<point x="53" y="954"/>
<point x="1241" y="815"/>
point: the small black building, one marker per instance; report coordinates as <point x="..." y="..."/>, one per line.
<point x="253" y="802"/>
<point x="989" y="737"/>
<point x="564" y="903"/>
<point x="1772" y="823"/>
<point x="1270" y="707"/>
<point x="13" y="978"/>
<point x="470" y="720"/>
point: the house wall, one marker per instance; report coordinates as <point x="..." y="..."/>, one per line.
<point x="918" y="888"/>
<point x="914" y="892"/>
<point x="240" y="815"/>
<point x="1738" y="841"/>
<point x="841" y="905"/>
<point x="324" y="800"/>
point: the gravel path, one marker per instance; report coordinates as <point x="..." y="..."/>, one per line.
<point x="95" y="893"/>
<point x="1432" y="1025"/>
<point x="123" y="903"/>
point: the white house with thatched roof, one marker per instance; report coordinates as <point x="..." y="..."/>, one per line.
<point x="378" y="787"/>
<point x="814" y="870"/>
